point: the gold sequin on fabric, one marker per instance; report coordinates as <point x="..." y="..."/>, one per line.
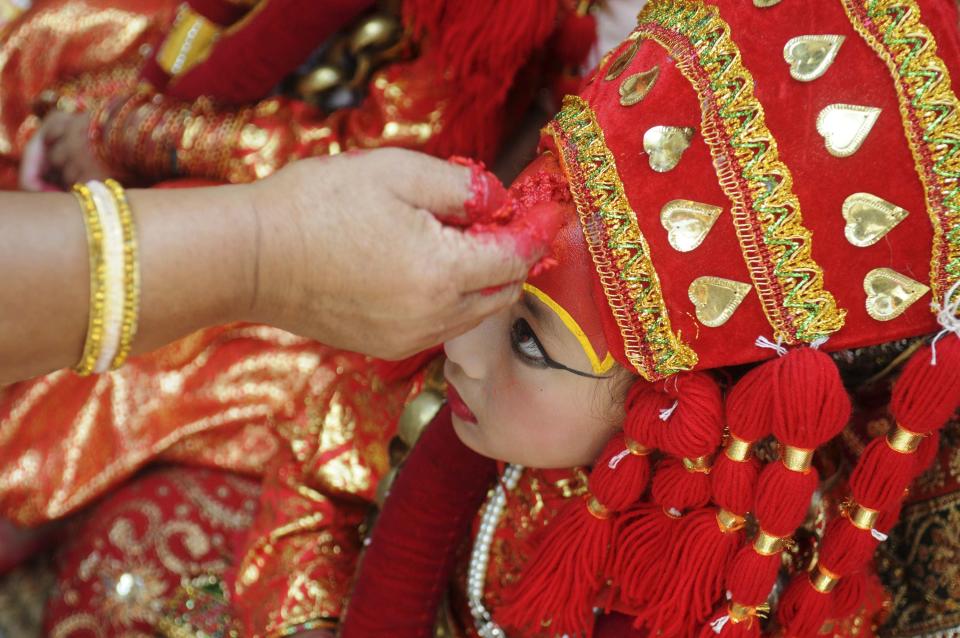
<point x="889" y="293"/>
<point x="716" y="299"/>
<point x="763" y="4"/>
<point x="622" y="62"/>
<point x="765" y="211"/>
<point x="869" y="218"/>
<point x="687" y="222"/>
<point x="637" y="86"/>
<point x="930" y="112"/>
<point x="665" y="145"/>
<point x="619" y="249"/>
<point x="809" y="56"/>
<point x="845" y="127"/>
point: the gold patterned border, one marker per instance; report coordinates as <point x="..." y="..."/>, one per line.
<point x="619" y="249"/>
<point x="766" y="212"/>
<point x="931" y="117"/>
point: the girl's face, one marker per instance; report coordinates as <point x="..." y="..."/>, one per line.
<point x="509" y="404"/>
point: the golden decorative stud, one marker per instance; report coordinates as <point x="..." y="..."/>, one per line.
<point x="636" y="87"/>
<point x="622" y="62"/>
<point x="688" y="222"/>
<point x="889" y="293"/>
<point x="716" y="299"/>
<point x="869" y="218"/>
<point x="809" y="56"/>
<point x="844" y="127"/>
<point x="763" y="4"/>
<point x="665" y="145"/>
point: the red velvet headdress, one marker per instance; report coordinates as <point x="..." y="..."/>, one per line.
<point x="786" y="173"/>
<point x="750" y="181"/>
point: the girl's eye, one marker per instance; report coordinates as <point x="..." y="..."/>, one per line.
<point x="526" y="345"/>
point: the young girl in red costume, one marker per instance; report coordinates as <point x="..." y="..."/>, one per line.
<point x="744" y="182"/>
<point x="738" y="184"/>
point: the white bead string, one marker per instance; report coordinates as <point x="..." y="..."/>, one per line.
<point x="480" y="557"/>
<point x="113" y="261"/>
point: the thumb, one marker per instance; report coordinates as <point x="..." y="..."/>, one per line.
<point x="448" y="188"/>
<point x="484" y="262"/>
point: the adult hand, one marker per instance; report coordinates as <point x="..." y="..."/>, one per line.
<point x="363" y="264"/>
<point x="60" y="154"/>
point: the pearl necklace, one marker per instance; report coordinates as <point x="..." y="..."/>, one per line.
<point x="480" y="557"/>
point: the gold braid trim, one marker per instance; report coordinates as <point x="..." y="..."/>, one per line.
<point x="766" y="212"/>
<point x="929" y="109"/>
<point x="619" y="249"/>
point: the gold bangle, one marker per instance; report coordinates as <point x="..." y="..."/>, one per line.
<point x="700" y="464"/>
<point x="131" y="275"/>
<point x="903" y="440"/>
<point x="597" y="508"/>
<point x="797" y="459"/>
<point x="767" y="544"/>
<point x="730" y="522"/>
<point x="637" y="449"/>
<point x="98" y="282"/>
<point x="824" y="580"/>
<point x="738" y="450"/>
<point x="863" y="517"/>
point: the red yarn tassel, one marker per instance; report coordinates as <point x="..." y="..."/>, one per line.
<point x="677" y="488"/>
<point x="693" y="423"/>
<point x="563" y="577"/>
<point x="699" y="557"/>
<point x="569" y="567"/>
<point x="802" y="609"/>
<point x="643" y="536"/>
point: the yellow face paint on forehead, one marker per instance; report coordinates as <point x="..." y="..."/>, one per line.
<point x="597" y="365"/>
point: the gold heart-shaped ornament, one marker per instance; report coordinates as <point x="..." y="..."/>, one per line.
<point x="869" y="218"/>
<point x="665" y="146"/>
<point x="636" y="87"/>
<point x="844" y="127"/>
<point x="622" y="62"/>
<point x="716" y="299"/>
<point x="809" y="56"/>
<point x="687" y="222"/>
<point x="889" y="293"/>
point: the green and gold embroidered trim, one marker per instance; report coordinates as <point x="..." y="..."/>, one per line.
<point x="765" y="210"/>
<point x="619" y="250"/>
<point x="931" y="117"/>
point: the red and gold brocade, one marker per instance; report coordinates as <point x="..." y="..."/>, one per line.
<point x="308" y="423"/>
<point x="403" y="108"/>
<point x="91" y="49"/>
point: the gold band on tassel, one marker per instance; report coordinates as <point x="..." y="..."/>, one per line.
<point x="730" y="522"/>
<point x="903" y="440"/>
<point x="767" y="544"/>
<point x="863" y="517"/>
<point x="598" y="509"/>
<point x="824" y="580"/>
<point x="797" y="459"/>
<point x="738" y="450"/>
<point x="700" y="464"/>
<point x="636" y="449"/>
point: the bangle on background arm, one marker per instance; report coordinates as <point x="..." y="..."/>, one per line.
<point x="114" y="276"/>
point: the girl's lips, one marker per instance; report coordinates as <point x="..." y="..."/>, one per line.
<point x="457" y="406"/>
